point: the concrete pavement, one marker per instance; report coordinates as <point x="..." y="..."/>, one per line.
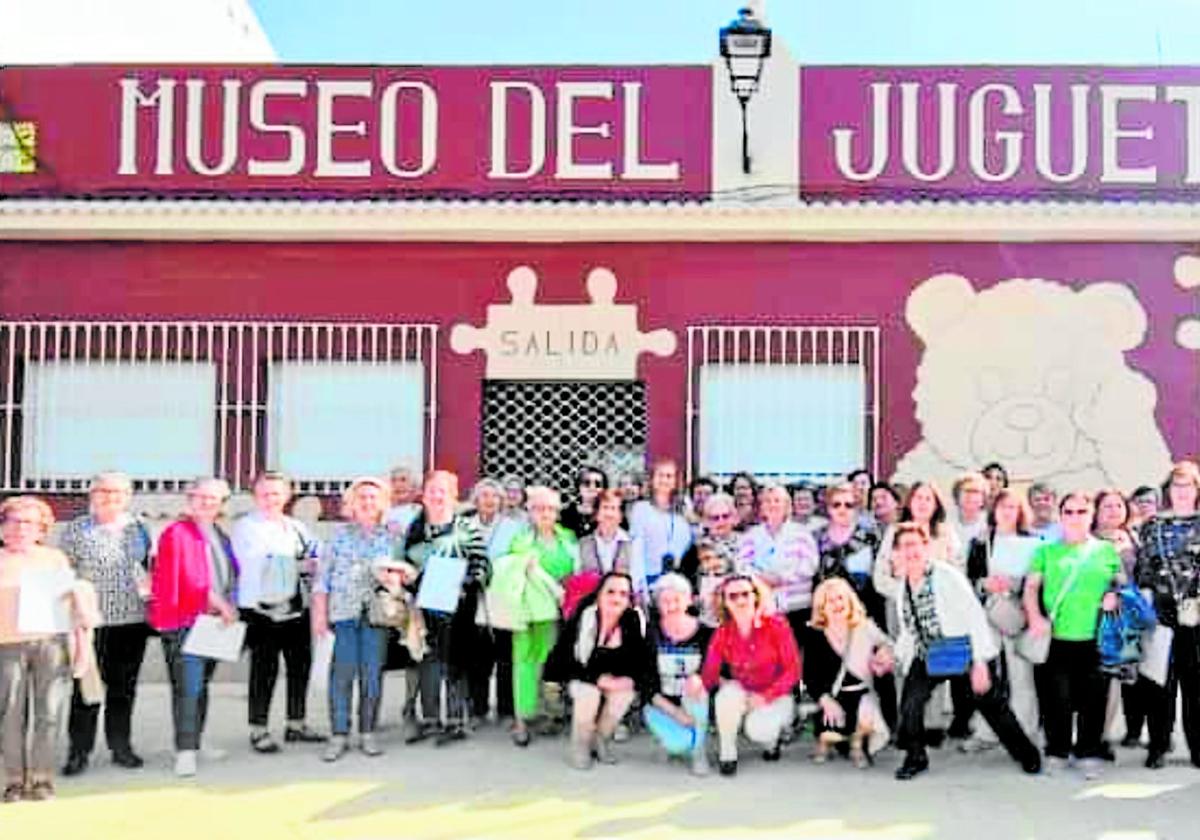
<point x="487" y="788"/>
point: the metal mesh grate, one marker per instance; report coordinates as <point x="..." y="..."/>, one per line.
<point x="545" y="431"/>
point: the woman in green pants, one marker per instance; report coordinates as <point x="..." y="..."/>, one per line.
<point x="527" y="583"/>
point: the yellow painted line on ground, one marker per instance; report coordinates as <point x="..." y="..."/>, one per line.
<point x="349" y="810"/>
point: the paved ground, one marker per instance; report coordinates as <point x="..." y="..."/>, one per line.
<point x="487" y="788"/>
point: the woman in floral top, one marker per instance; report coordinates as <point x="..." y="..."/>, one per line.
<point x="110" y="549"/>
<point x="1169" y="564"/>
<point x="342" y="591"/>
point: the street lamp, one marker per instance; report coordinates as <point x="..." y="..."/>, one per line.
<point x="745" y="44"/>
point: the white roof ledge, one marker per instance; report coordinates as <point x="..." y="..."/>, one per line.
<point x="344" y="220"/>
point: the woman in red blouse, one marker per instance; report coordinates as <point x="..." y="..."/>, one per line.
<point x="753" y="664"/>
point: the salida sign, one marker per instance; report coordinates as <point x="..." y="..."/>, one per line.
<point x="448" y="131"/>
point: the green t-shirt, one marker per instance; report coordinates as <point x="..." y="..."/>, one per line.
<point x="1079" y="613"/>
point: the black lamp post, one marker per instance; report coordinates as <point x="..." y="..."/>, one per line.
<point x="745" y="44"/>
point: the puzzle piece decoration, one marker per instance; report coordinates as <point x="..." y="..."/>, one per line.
<point x="1187" y="275"/>
<point x="527" y="340"/>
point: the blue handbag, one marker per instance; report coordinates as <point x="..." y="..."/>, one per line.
<point x="949" y="656"/>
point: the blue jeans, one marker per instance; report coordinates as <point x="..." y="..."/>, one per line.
<point x="190" y="676"/>
<point x="676" y="738"/>
<point x="358" y="654"/>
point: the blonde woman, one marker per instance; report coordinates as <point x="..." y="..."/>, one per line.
<point x="33" y="665"/>
<point x="840" y="669"/>
<point x="347" y="574"/>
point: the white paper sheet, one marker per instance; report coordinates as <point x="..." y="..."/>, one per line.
<point x="41" y="605"/>
<point x="441" y="583"/>
<point x="860" y="562"/>
<point x="1011" y="556"/>
<point x="1156" y="656"/>
<point x="212" y="638"/>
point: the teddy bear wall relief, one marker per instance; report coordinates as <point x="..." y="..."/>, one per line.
<point x="1032" y="374"/>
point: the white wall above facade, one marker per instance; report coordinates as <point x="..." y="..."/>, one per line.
<point x="131" y="31"/>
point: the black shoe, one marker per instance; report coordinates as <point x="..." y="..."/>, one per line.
<point x="771" y="754"/>
<point x="1106" y="752"/>
<point x="1130" y="741"/>
<point x="76" y="764"/>
<point x="417" y="732"/>
<point x="1032" y="766"/>
<point x="448" y="735"/>
<point x="913" y="766"/>
<point x="127" y="758"/>
<point x="727" y="768"/>
<point x="934" y="738"/>
<point x="303" y="735"/>
<point x="1156" y="760"/>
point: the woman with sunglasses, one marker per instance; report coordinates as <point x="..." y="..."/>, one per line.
<point x="579" y="517"/>
<point x="1069" y="581"/>
<point x="753" y="665"/>
<point x="720" y="519"/>
<point x="603" y="659"/>
<point x="1169" y="565"/>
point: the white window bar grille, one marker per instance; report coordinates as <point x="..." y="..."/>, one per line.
<point x="743" y="350"/>
<point x="241" y="352"/>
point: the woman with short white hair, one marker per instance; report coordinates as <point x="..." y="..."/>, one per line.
<point x="110" y="549"/>
<point x="527" y="582"/>
<point x="195" y="573"/>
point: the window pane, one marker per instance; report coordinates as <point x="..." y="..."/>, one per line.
<point x="792" y="420"/>
<point x="332" y="420"/>
<point x="152" y="420"/>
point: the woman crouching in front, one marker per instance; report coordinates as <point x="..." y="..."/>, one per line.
<point x="753" y="665"/>
<point x="603" y="658"/>
<point x="841" y="673"/>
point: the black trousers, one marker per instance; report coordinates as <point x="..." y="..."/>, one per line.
<point x="1070" y="683"/>
<point x="1134" y="697"/>
<point x="269" y="640"/>
<point x="1183" y="675"/>
<point x="119" y="653"/>
<point x="494" y="655"/>
<point x="918" y="688"/>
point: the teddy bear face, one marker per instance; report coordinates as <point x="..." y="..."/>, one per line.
<point x="1020" y="373"/>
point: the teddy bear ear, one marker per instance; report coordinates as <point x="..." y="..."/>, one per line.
<point x="938" y="301"/>
<point x="1114" y="311"/>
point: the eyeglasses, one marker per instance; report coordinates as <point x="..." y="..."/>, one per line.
<point x="840" y="505"/>
<point x="739" y="594"/>
<point x="1076" y="512"/>
<point x="721" y="517"/>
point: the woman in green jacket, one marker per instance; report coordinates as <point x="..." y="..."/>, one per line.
<point x="527" y="583"/>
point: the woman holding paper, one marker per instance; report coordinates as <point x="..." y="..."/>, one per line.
<point x="449" y="551"/>
<point x="111" y="549"/>
<point x="527" y="581"/>
<point x="194" y="574"/>
<point x="33" y="659"/>
<point x="1169" y="565"/>
<point x="347" y="575"/>
<point x="997" y="563"/>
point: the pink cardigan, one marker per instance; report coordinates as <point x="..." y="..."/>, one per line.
<point x="180" y="578"/>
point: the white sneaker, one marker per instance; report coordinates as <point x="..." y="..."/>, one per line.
<point x="1093" y="768"/>
<point x="185" y="764"/>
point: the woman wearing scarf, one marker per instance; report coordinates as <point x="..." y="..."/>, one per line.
<point x="195" y="573"/>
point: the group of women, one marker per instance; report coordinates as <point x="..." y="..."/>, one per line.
<point x="900" y="617"/>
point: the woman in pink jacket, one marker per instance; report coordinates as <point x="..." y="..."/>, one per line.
<point x="194" y="573"/>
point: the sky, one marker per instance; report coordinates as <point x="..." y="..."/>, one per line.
<point x="1146" y="32"/>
